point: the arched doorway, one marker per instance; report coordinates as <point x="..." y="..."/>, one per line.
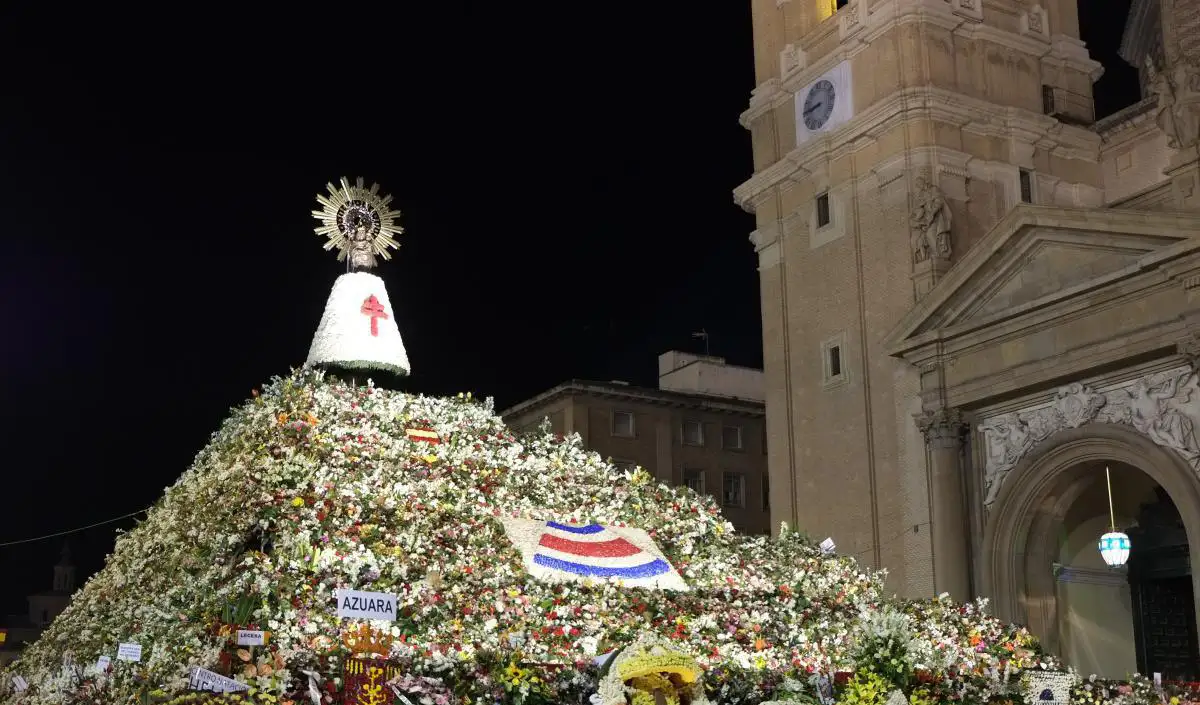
<point x="1041" y="567"/>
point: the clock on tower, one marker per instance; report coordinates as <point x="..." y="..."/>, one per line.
<point x="818" y="104"/>
<point x="824" y="104"/>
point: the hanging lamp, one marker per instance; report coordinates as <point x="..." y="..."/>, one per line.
<point x="1115" y="545"/>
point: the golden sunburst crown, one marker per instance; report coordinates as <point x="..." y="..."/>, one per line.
<point x="358" y="222"/>
<point x="367" y="640"/>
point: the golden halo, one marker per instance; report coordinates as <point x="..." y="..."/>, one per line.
<point x="355" y="215"/>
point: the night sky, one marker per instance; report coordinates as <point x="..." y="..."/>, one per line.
<point x="565" y="178"/>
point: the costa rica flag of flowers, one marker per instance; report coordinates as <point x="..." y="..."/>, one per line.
<point x="562" y="552"/>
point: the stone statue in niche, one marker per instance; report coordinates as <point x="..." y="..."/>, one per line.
<point x="1159" y="406"/>
<point x="1178" y="92"/>
<point x="931" y="222"/>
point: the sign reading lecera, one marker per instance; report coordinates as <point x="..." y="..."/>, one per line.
<point x="251" y="637"/>
<point x="129" y="652"/>
<point x="201" y="679"/>
<point x="356" y="604"/>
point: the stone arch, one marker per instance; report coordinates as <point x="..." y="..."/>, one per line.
<point x="1016" y="570"/>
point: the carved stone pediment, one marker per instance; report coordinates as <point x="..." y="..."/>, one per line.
<point x="1033" y="259"/>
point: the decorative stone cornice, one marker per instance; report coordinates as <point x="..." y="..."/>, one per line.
<point x="942" y="428"/>
<point x="1071" y="53"/>
<point x="1028" y="44"/>
<point x="1189" y="348"/>
<point x="973" y="115"/>
<point x="1115" y="126"/>
<point x="746" y="195"/>
<point x="766" y="96"/>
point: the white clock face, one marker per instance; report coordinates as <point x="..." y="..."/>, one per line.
<point x="818" y="104"/>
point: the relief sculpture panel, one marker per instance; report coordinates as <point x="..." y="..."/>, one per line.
<point x="1164" y="407"/>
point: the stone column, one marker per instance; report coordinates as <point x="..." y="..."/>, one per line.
<point x="944" y="430"/>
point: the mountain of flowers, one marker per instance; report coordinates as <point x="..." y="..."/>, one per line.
<point x="315" y="485"/>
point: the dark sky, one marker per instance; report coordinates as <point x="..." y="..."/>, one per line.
<point x="564" y="174"/>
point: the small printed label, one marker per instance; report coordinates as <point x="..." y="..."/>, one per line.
<point x="355" y="604"/>
<point x="251" y="637"/>
<point x="129" y="652"/>
<point x="103" y="663"/>
<point x="20" y="684"/>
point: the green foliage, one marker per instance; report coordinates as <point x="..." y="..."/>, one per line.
<point x="251" y="697"/>
<point x="865" y="688"/>
<point x="922" y="696"/>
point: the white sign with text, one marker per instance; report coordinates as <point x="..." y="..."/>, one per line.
<point x="202" y="679"/>
<point x="355" y="604"/>
<point x="251" y="637"/>
<point x="129" y="652"/>
<point x="20" y="684"/>
<point x="103" y="663"/>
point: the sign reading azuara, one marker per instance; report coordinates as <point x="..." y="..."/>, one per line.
<point x="355" y="604"/>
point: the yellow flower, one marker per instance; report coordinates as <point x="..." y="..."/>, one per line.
<point x="282" y="418"/>
<point x="298" y="502"/>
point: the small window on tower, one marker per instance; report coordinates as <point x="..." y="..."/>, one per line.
<point x="823" y="209"/>
<point x="1048" y="99"/>
<point x="839" y="4"/>
<point x="833" y="363"/>
<point x="1026" y="186"/>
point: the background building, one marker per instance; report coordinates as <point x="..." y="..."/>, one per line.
<point x="702" y="427"/>
<point x="19" y="630"/>
<point x="975" y="298"/>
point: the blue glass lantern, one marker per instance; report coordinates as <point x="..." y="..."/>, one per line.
<point x="1114" y="548"/>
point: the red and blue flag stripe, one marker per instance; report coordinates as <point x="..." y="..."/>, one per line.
<point x="593" y="551"/>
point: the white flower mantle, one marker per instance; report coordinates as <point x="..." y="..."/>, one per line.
<point x="358" y="328"/>
<point x="1164" y="407"/>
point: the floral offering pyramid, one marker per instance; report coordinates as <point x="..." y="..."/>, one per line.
<point x="342" y="543"/>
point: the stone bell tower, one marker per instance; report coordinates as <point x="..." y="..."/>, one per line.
<point x="889" y="137"/>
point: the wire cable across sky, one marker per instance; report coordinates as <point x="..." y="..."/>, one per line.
<point x="74" y="531"/>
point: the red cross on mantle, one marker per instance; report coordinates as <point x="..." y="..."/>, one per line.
<point x="371" y="307"/>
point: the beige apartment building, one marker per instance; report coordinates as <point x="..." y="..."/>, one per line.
<point x="976" y="297"/>
<point x="703" y="427"/>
